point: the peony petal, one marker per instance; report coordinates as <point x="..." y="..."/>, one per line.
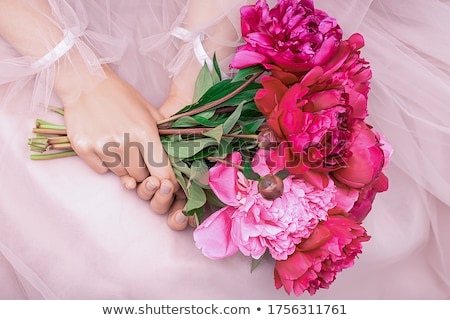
<point x="345" y="197"/>
<point x="213" y="236"/>
<point x="222" y="180"/>
<point x="295" y="265"/>
<point x="268" y="98"/>
<point x="367" y="159"/>
<point x="246" y="58"/>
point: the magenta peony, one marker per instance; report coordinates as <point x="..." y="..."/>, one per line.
<point x="331" y="248"/>
<point x="252" y="224"/>
<point x="366" y="161"/>
<point x="293" y="35"/>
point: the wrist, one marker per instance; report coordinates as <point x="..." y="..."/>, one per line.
<point x="75" y="76"/>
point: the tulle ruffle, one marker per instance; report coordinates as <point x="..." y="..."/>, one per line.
<point x="67" y="233"/>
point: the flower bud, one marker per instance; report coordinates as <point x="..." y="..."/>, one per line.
<point x="270" y="187"/>
<point x="267" y="139"/>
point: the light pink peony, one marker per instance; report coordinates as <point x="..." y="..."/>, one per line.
<point x="332" y="247"/>
<point x="252" y="224"/>
<point x="293" y="35"/>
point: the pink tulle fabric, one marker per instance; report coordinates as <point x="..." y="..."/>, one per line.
<point x="68" y="233"/>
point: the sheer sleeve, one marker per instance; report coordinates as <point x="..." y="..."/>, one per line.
<point x="45" y="41"/>
<point x="203" y="28"/>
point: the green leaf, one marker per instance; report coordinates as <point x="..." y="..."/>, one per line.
<point x="232" y="119"/>
<point x="185" y="122"/>
<point x="217" y="74"/>
<point x="283" y="174"/>
<point x="181" y="180"/>
<point x="213" y="200"/>
<point x="203" y="83"/>
<point x="225" y="147"/>
<point x="215" y="133"/>
<point x="246" y="95"/>
<point x="196" y="198"/>
<point x="249" y="173"/>
<point x="180" y="166"/>
<point x="253" y="126"/>
<point x="205" y="114"/>
<point x="197" y="213"/>
<point x="187" y="148"/>
<point x="247" y="72"/>
<point x="199" y="173"/>
<point x="203" y="154"/>
<point x="256" y="262"/>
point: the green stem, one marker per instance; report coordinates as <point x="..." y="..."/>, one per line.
<point x="165" y="132"/>
<point x="56" y="140"/>
<point x="50" y="131"/>
<point x="49" y="156"/>
<point x="58" y="110"/>
<point x="51" y="126"/>
<point x="242" y="136"/>
<point x="211" y="104"/>
<point x="214" y="159"/>
<point x="61" y="146"/>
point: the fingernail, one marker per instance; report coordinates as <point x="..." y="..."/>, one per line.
<point x="129" y="185"/>
<point x="180" y="217"/>
<point x="165" y="188"/>
<point x="150" y="186"/>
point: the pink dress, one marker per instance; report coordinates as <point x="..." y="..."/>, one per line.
<point x="68" y="233"/>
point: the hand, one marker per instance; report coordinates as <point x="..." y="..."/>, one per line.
<point x="162" y="199"/>
<point x="112" y="127"/>
<point x="160" y="190"/>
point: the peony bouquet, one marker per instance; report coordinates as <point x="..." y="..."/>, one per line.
<point x="278" y="161"/>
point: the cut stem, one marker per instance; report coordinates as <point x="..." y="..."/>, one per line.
<point x="49" y="156"/>
<point x="50" y="131"/>
<point x="61" y="146"/>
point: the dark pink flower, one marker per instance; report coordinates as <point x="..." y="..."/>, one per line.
<point x="331" y="248"/>
<point x="293" y="35"/>
<point x="366" y="159"/>
<point x="315" y="124"/>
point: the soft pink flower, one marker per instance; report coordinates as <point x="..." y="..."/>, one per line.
<point x="252" y="224"/>
<point x="332" y="247"/>
<point x="293" y="35"/>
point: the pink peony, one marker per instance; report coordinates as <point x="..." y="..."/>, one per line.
<point x="293" y="35"/>
<point x="315" y="124"/>
<point x="332" y="247"/>
<point x="252" y="224"/>
<point x="366" y="161"/>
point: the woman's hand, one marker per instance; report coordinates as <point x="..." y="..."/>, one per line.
<point x="113" y="128"/>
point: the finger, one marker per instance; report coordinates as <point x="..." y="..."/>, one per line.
<point x="133" y="161"/>
<point x="177" y="220"/>
<point x="94" y="161"/>
<point x="192" y="222"/>
<point x="157" y="161"/>
<point x="147" y="188"/>
<point x="163" y="198"/>
<point x="112" y="159"/>
<point x="128" y="182"/>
